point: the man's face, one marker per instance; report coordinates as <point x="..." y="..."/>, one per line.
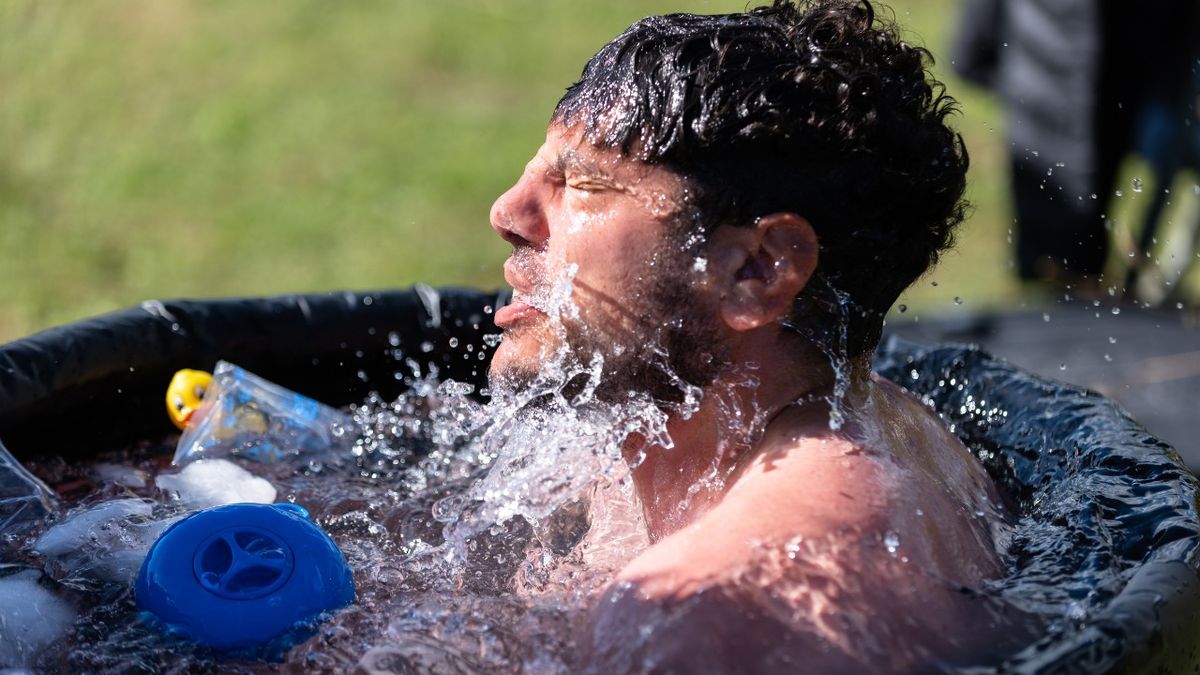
<point x="598" y="267"/>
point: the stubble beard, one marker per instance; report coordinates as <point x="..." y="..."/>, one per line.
<point x="671" y="347"/>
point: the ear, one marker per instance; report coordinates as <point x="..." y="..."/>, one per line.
<point x="760" y="269"/>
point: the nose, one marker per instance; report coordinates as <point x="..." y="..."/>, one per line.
<point x="519" y="215"/>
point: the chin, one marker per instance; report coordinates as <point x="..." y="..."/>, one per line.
<point x="515" y="358"/>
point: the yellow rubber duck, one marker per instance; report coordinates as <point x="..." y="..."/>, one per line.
<point x="185" y="394"/>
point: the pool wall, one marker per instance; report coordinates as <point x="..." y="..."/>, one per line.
<point x="98" y="384"/>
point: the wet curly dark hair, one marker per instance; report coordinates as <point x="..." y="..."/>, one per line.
<point x="819" y="109"/>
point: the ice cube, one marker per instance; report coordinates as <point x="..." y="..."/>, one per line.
<point x="125" y="476"/>
<point x="213" y="482"/>
<point x="23" y="498"/>
<point x="31" y="617"/>
<point x="78" y="528"/>
<point x="103" y="544"/>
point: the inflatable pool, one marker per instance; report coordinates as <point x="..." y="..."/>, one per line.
<point x="1106" y="530"/>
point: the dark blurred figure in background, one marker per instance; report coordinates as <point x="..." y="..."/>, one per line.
<point x="1078" y="78"/>
<point x="1167" y="135"/>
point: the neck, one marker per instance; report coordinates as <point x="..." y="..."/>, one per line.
<point x="768" y="374"/>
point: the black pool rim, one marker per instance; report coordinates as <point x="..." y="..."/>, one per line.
<point x="99" y="383"/>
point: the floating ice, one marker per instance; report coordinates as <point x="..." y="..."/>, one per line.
<point x="68" y="534"/>
<point x="23" y="498"/>
<point x="103" y="544"/>
<point x="213" y="482"/>
<point x="31" y="617"/>
<point x="125" y="476"/>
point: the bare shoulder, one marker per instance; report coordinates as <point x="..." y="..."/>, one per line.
<point x="817" y="527"/>
<point x="811" y="487"/>
<point x="760" y="582"/>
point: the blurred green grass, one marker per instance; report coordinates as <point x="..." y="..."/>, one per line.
<point x="186" y="148"/>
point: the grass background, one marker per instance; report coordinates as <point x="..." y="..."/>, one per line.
<point x="204" y="148"/>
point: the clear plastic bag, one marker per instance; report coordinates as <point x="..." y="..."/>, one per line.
<point x="24" y="499"/>
<point x="247" y="416"/>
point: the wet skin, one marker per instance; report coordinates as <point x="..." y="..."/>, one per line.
<point x="892" y="491"/>
<point x="576" y="206"/>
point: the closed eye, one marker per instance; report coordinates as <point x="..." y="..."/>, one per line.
<point x="588" y="185"/>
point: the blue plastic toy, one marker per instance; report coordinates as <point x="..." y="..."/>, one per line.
<point x="249" y="578"/>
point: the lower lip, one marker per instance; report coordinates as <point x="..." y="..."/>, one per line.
<point x="513" y="313"/>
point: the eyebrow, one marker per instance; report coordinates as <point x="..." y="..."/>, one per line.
<point x="570" y="161"/>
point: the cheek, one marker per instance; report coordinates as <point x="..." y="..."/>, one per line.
<point x="610" y="250"/>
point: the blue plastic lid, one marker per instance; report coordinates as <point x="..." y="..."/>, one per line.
<point x="244" y="577"/>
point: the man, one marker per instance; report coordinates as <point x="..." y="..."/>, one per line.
<point x="722" y="212"/>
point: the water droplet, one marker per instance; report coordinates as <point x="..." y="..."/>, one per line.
<point x="427" y="346"/>
<point x="1137" y="184"/>
<point x="453" y="342"/>
<point x="1108" y="358"/>
<point x="1119" y="193"/>
<point x="892" y="541"/>
<point x="1046" y="317"/>
<point x="1179" y="305"/>
<point x="1116" y="311"/>
<point x="394" y="339"/>
<point x="957" y="300"/>
<point x="1093" y="196"/>
<point x="1076" y="611"/>
<point x="933" y="283"/>
<point x="1112" y="340"/>
<point x="902" y="308"/>
<point x="1062" y="366"/>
